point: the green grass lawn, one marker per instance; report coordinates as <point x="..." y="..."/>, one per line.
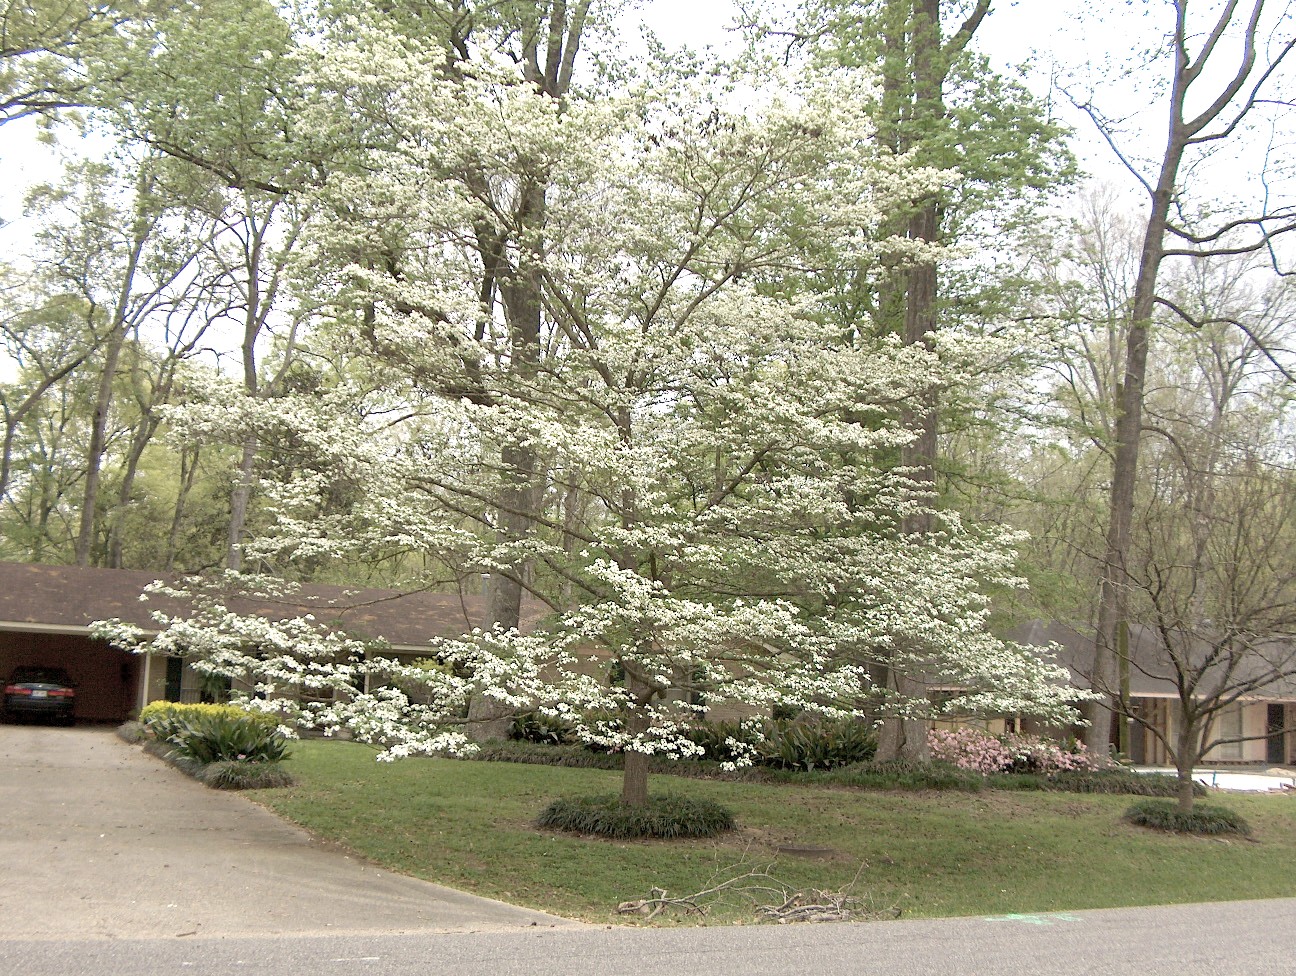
<point x="469" y="825"/>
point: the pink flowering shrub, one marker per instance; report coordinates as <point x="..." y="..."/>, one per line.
<point x="1011" y="752"/>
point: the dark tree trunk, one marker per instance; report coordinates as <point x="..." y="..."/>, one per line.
<point x="913" y="82"/>
<point x="97" y="447"/>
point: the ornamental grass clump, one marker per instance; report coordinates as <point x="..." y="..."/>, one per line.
<point x="1203" y="818"/>
<point x="665" y="816"/>
<point x="243" y="775"/>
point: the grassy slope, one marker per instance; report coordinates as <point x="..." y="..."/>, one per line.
<point x="467" y="825"/>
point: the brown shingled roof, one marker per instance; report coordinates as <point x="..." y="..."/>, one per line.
<point x="68" y="599"/>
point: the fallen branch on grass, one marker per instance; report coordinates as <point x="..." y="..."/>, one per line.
<point x="772" y="899"/>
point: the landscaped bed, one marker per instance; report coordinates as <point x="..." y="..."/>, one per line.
<point x="926" y="852"/>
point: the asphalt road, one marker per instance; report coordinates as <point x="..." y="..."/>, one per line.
<point x="1233" y="939"/>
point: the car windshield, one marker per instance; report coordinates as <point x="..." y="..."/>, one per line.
<point x="40" y="676"/>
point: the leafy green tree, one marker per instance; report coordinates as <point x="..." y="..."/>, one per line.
<point x="719" y="547"/>
<point x="45" y="47"/>
<point x="129" y="253"/>
<point x="940" y="104"/>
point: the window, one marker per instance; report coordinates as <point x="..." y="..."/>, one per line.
<point x="1228" y="725"/>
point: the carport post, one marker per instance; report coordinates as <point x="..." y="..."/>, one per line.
<point x="141" y="699"/>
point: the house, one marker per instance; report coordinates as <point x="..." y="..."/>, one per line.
<point x="1263" y="720"/>
<point x="46" y="613"/>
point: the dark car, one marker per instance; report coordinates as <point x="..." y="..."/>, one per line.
<point x="40" y="691"/>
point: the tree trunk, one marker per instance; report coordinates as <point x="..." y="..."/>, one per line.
<point x="1186" y="751"/>
<point x="549" y="67"/>
<point x="903" y="739"/>
<point x="98" y="445"/>
<point x="1186" y="795"/>
<point x="924" y="69"/>
<point x="139" y="443"/>
<point x="188" y="473"/>
<point x="239" y="499"/>
<point x="1129" y="429"/>
<point x="634" y="781"/>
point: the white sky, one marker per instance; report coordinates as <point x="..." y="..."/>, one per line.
<point x="1072" y="32"/>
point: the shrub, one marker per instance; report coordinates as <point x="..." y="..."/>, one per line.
<point x="219" y="737"/>
<point x="663" y="817"/>
<point x="787" y="744"/>
<point x="1202" y="819"/>
<point x="542" y="729"/>
<point x="162" y="719"/>
<point x="533" y="753"/>
<point x="902" y="775"/>
<point x="816" y="744"/>
<point x="243" y="775"/>
<point x="1114" y="781"/>
<point x="1011" y="752"/>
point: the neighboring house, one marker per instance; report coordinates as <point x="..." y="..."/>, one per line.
<point x="46" y="614"/>
<point x="1265" y="719"/>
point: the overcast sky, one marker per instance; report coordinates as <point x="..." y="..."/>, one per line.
<point x="1071" y="33"/>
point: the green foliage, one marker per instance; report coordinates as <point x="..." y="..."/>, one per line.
<point x="816" y="744"/>
<point x="1112" y="782"/>
<point x="207" y="733"/>
<point x="215" y="738"/>
<point x="1204" y="818"/>
<point x="779" y="744"/>
<point x="538" y="754"/>
<point x="903" y="775"/>
<point x="239" y="775"/>
<point x="897" y="775"/>
<point x="666" y="816"/>
<point x="162" y="719"/>
<point x="543" y="729"/>
<point x="789" y="744"/>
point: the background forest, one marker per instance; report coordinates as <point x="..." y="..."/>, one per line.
<point x="826" y="349"/>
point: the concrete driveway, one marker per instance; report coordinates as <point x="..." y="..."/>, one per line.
<point x="99" y="840"/>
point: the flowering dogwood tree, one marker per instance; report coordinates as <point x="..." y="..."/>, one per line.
<point x="715" y="514"/>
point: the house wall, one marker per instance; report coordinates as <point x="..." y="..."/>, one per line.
<point x="107" y="678"/>
<point x="1253" y="726"/>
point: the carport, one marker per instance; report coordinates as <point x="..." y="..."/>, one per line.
<point x="46" y="613"/>
<point x="107" y="679"/>
<point x="45" y="618"/>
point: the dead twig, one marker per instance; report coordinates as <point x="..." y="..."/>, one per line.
<point x="773" y="900"/>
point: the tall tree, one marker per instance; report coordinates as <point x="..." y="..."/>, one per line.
<point x="46" y="338"/>
<point x="1211" y="573"/>
<point x="127" y="252"/>
<point x="1223" y="61"/>
<point x="213" y="88"/>
<point x="940" y="104"/>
